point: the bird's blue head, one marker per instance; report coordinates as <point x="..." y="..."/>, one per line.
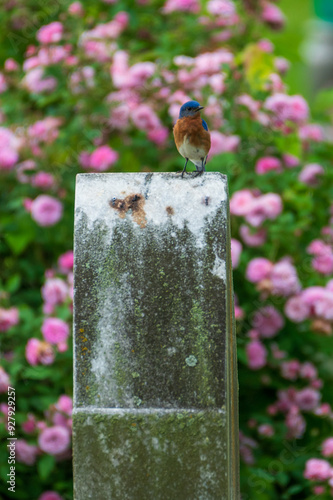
<point x="190" y="108"/>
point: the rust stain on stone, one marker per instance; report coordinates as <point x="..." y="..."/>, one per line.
<point x="170" y="210"/>
<point x="134" y="203"/>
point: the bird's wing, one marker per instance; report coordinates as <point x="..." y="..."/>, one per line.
<point x="204" y="124"/>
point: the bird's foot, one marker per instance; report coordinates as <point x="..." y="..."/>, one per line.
<point x="182" y="172"/>
<point x="198" y="172"/>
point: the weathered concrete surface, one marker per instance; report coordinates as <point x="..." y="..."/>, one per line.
<point x="155" y="404"/>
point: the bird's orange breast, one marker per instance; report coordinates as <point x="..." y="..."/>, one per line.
<point x="190" y="129"/>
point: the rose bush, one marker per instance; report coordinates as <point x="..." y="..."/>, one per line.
<point x="97" y="86"/>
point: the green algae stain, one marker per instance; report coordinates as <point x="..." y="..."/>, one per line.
<point x="163" y="342"/>
<point x="191" y="360"/>
<point x="147" y="456"/>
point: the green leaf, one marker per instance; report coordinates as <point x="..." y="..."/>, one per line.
<point x="45" y="466"/>
<point x="259" y="66"/>
<point x="324" y="101"/>
<point x="296" y="488"/>
<point x="289" y="143"/>
<point x="38" y="373"/>
<point x="13" y="283"/>
<point x="282" y="478"/>
<point x="18" y="242"/>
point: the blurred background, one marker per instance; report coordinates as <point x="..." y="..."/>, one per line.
<point x="96" y="86"/>
<point x="307" y="42"/>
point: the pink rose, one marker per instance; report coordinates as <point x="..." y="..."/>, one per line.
<point x="8" y="318"/>
<point x="43" y="180"/>
<point x="46" y="210"/>
<point x="317" y="469"/>
<point x="273" y="16"/>
<point x="241" y="202"/>
<point x="266" y="45"/>
<point x="236" y="250"/>
<point x="211" y="62"/>
<point x="308" y="371"/>
<point x="252" y="239"/>
<point x="298" y="109"/>
<point x="267" y="206"/>
<point x="55" y="291"/>
<point x="35" y="83"/>
<point x="266" y="164"/>
<point x="296" y="309"/>
<point x="76" y="9"/>
<point x="139" y="73"/>
<point x="323" y="263"/>
<point x="29" y="426"/>
<point x="266" y="430"/>
<point x="65" y="404"/>
<point x="309" y="174"/>
<point x="267" y="321"/>
<point x="144" y="118"/>
<point x="311" y="132"/>
<point x="54" y="440"/>
<point x="248" y="101"/>
<point x="256" y="354"/>
<point x="158" y="135"/>
<point x="11" y="65"/>
<point x="38" y="352"/>
<point x="225" y="8"/>
<point x="25" y="453"/>
<point x="323" y="306"/>
<point x="282" y="65"/>
<point x="313" y="295"/>
<point x="4" y="380"/>
<point x="221" y="143"/>
<point x="46" y="130"/>
<point x="65" y="261"/>
<point x="258" y="269"/>
<point x="295" y="423"/>
<point x="327" y="447"/>
<point x="3" y="83"/>
<point x="181" y="6"/>
<point x="290" y="161"/>
<point x="50" y="495"/>
<point x="8" y="139"/>
<point x="290" y="369"/>
<point x="272" y="205"/>
<point x="120" y="117"/>
<point x="103" y="158"/>
<point x="307" y="399"/>
<point x="239" y="313"/>
<point x="318" y="247"/>
<point x="284" y="279"/>
<point x="8" y="158"/>
<point x="55" y="330"/>
<point x="217" y="84"/>
<point x="50" y="33"/>
<point x="287" y="108"/>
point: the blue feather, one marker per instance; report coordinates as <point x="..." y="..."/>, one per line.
<point x="204" y="124"/>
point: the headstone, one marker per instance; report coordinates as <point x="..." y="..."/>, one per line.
<point x="155" y="374"/>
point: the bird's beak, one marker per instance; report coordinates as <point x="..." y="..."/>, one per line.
<point x="199" y="108"/>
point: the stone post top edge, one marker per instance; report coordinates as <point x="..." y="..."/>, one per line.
<point x="143" y="174"/>
<point x="78" y="410"/>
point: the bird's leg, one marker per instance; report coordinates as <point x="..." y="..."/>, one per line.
<point x="184" y="169"/>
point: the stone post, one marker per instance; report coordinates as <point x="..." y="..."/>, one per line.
<point x="155" y="373"/>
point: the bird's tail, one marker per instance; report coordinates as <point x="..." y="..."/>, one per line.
<point x="201" y="167"/>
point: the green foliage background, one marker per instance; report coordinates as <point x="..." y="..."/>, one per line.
<point x="27" y="249"/>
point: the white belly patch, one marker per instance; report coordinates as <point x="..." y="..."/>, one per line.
<point x="194" y="154"/>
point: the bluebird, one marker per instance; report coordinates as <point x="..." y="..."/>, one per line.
<point x="191" y="136"/>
